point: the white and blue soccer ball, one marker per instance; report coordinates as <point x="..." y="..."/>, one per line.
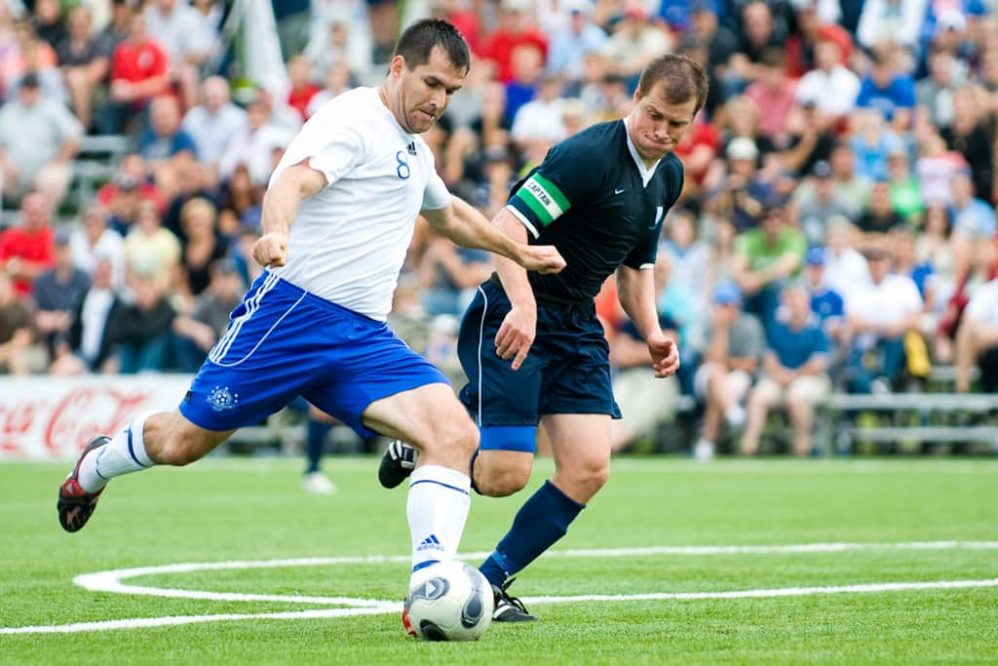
<point x="448" y="601"/>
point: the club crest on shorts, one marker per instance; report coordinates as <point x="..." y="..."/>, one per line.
<point x="221" y="398"/>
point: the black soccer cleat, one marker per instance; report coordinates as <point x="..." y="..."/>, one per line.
<point x="509" y="608"/>
<point x="76" y="505"/>
<point x="397" y="463"/>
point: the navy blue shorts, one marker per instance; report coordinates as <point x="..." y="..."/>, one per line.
<point x="566" y="372"/>
<point x="283" y="342"/>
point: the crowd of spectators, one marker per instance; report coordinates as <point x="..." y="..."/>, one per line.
<point x="837" y="228"/>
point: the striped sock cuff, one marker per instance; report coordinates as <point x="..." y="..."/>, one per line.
<point x="136" y="441"/>
<point x="442" y="476"/>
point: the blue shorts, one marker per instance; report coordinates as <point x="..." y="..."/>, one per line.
<point x="566" y="372"/>
<point x="282" y="342"/>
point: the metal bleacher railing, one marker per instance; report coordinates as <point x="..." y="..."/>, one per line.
<point x="95" y="164"/>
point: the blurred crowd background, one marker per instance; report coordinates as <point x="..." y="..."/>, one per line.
<point x="836" y="233"/>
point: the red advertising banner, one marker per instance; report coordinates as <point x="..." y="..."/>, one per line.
<point x="54" y="417"/>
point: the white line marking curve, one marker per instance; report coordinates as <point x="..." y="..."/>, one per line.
<point x="110" y="581"/>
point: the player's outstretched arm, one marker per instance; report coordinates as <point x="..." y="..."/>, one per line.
<point x="280" y="205"/>
<point x="464" y="225"/>
<point x="636" y="291"/>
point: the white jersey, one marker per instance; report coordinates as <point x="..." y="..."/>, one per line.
<point x="884" y="304"/>
<point x="348" y="242"/>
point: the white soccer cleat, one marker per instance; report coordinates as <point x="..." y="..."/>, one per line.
<point x="703" y="450"/>
<point x="317" y="483"/>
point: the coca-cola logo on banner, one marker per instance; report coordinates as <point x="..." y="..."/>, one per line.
<point x="87" y="412"/>
<point x="58" y="418"/>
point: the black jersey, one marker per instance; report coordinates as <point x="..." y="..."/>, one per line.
<point x="594" y="200"/>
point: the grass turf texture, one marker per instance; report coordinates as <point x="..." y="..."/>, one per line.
<point x="254" y="509"/>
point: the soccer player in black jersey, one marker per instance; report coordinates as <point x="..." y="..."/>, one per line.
<point x="531" y="345"/>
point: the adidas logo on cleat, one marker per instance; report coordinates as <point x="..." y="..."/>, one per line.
<point x="430" y="543"/>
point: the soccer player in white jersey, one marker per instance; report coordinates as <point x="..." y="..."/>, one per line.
<point x="337" y="219"/>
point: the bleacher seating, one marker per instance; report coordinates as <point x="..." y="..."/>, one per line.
<point x="95" y="164"/>
<point x="917" y="420"/>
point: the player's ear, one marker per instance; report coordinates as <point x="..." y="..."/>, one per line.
<point x="396" y="66"/>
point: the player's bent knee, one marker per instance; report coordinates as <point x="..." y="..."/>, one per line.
<point x="502" y="473"/>
<point x="450" y="442"/>
<point x="584" y="479"/>
<point x="595" y="476"/>
<point x="502" y="482"/>
<point x="457" y="437"/>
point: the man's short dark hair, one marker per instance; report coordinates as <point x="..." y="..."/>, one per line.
<point x="682" y="77"/>
<point x="418" y="41"/>
<point x="30" y="80"/>
<point x="773" y="57"/>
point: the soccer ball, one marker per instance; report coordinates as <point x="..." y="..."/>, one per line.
<point x="448" y="601"/>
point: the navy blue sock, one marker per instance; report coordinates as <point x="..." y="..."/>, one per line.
<point x="315" y="442"/>
<point x="539" y="523"/>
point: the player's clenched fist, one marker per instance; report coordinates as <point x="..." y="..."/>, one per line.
<point x="541" y="258"/>
<point x="664" y="355"/>
<point x="271" y="249"/>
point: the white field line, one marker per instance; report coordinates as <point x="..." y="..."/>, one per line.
<point x="110" y="581"/>
<point x="774" y="592"/>
<point x="388" y="608"/>
<point x="146" y="622"/>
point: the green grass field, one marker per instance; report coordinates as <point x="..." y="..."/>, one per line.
<point x="254" y="509"/>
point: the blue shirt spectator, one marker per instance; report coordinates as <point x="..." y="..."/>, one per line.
<point x="571" y="44"/>
<point x="164" y="138"/>
<point x="155" y="148"/>
<point x="795" y="372"/>
<point x="518" y="94"/>
<point x="827" y="304"/>
<point x="678" y="303"/>
<point x="795" y="345"/>
<point x="887" y="95"/>
<point x="677" y="12"/>
<point x="920" y="274"/>
<point x="972" y="218"/>
<point x="871" y="153"/>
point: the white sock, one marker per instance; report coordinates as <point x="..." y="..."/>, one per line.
<point x="437" y="508"/>
<point x="125" y="453"/>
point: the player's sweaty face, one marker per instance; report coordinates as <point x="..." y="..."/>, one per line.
<point x="426" y="90"/>
<point x="656" y="127"/>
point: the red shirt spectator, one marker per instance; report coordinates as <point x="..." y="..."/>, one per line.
<point x="299" y="98"/>
<point x="132" y="176"/>
<point x="515" y="30"/>
<point x="147" y="192"/>
<point x="139" y="66"/>
<point x="465" y="21"/>
<point x="137" y="62"/>
<point x="29" y="248"/>
<point x="800" y="47"/>
<point x="302" y="89"/>
<point x="698" y="149"/>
